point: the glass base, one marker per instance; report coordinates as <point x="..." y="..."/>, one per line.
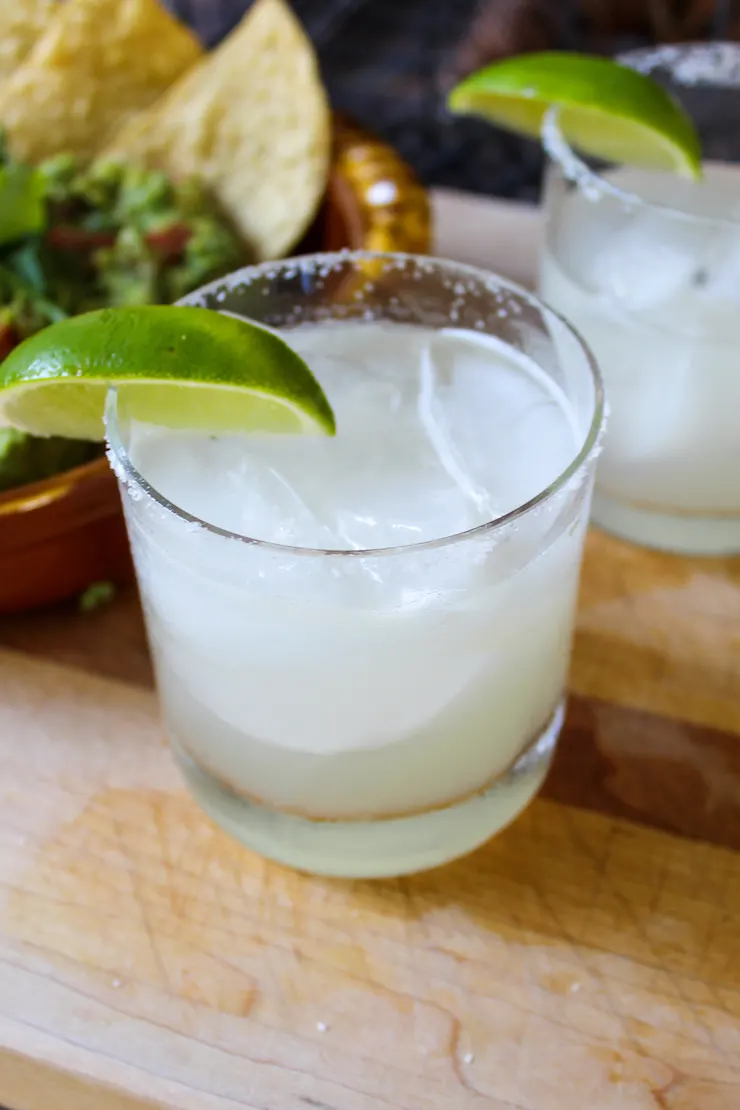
<point x="386" y="847"/>
<point x="681" y="534"/>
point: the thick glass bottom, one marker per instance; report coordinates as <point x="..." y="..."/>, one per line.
<point x="681" y="534"/>
<point x="384" y="847"/>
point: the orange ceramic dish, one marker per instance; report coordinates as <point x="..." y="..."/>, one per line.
<point x="60" y="535"/>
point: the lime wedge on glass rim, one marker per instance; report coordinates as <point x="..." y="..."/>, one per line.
<point x="179" y="367"/>
<point x="606" y="110"/>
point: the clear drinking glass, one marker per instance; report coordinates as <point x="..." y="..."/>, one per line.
<point x="647" y="267"/>
<point x="356" y="706"/>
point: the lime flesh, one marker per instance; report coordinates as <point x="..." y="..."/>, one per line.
<point x="179" y="367"/>
<point x="607" y="110"/>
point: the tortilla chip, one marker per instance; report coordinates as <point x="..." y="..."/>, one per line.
<point x="97" y="64"/>
<point x="252" y="121"/>
<point x="21" y="23"/>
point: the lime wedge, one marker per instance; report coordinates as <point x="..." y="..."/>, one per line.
<point x="607" y="110"/>
<point x="178" y="367"/>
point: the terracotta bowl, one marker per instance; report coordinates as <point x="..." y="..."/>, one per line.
<point x="60" y="535"/>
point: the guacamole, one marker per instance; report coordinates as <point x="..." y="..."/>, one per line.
<point x="77" y="237"/>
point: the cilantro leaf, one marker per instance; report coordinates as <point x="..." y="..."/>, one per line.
<point x="22" y="203"/>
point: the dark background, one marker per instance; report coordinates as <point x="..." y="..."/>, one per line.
<point x="389" y="64"/>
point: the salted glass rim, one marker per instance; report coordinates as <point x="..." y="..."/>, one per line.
<point x="720" y="69"/>
<point x="132" y="476"/>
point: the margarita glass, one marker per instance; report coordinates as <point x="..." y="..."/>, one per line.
<point x="647" y="266"/>
<point x="361" y="642"/>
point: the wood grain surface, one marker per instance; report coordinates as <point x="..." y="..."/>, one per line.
<point x="587" y="958"/>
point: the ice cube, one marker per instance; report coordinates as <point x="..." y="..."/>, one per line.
<point x="634" y="254"/>
<point x="579" y="233"/>
<point x="437" y="433"/>
<point x="720" y="278"/>
<point x="650" y="261"/>
<point x="437" y="370"/>
<point x="510" y="421"/>
<point x="392" y="475"/>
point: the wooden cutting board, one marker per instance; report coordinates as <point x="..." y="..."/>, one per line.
<point x="587" y="959"/>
